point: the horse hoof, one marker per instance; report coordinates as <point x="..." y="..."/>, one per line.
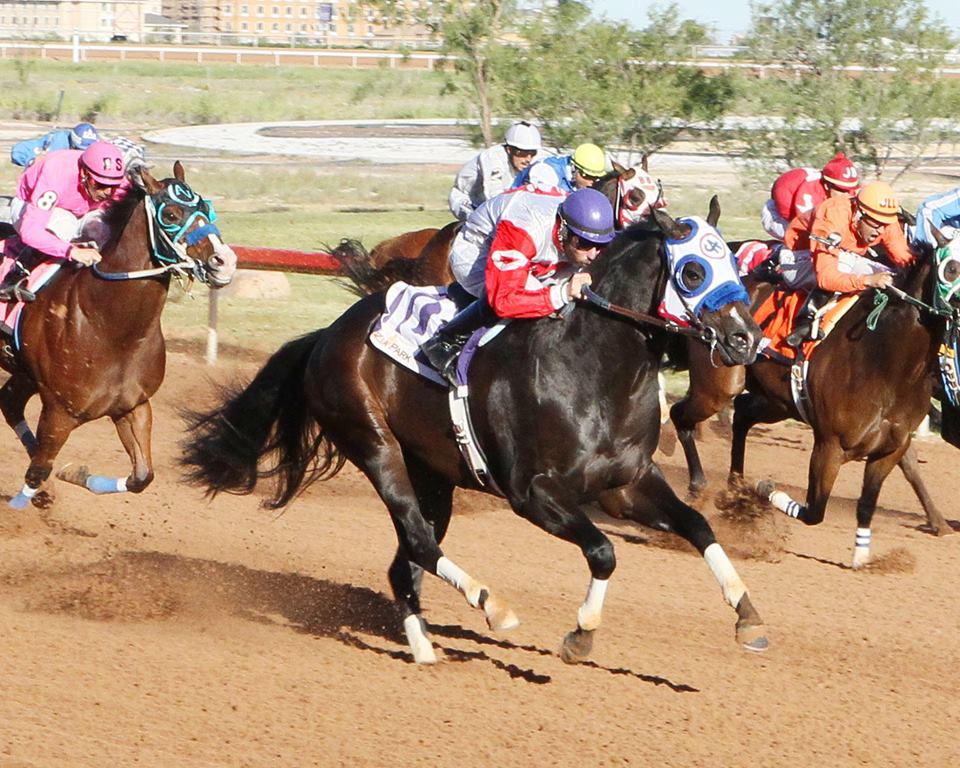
<point x="500" y="618"/>
<point x="765" y="488"/>
<point x="577" y="646"/>
<point x="753" y="638"/>
<point x="424" y="654"/>
<point x="75" y="474"/>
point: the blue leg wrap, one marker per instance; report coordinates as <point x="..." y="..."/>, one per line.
<point x="102" y="484"/>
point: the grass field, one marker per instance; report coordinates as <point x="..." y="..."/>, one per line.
<point x="293" y="203"/>
<point x="156" y="94"/>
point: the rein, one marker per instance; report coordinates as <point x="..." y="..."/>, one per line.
<point x="701" y="331"/>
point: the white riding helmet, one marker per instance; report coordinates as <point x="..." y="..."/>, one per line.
<point x="523" y="135"/>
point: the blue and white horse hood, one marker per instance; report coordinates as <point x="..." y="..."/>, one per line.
<point x="703" y="274"/>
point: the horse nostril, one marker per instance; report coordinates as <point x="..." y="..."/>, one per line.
<point x="739" y="340"/>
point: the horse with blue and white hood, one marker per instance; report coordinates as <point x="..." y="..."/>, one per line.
<point x="566" y="409"/>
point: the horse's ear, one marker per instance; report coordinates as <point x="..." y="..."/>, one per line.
<point x="618" y="168"/>
<point x="669" y="226"/>
<point x="628" y="174"/>
<point x="178" y="171"/>
<point x="906" y="217"/>
<point x="644" y="163"/>
<point x="942" y="242"/>
<point x="714" y="215"/>
<point x="143" y="179"/>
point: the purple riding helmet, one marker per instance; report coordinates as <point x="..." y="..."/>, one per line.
<point x="588" y="214"/>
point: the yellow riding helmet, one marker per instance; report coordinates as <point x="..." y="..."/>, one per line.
<point x="878" y="201"/>
<point x="590" y="160"/>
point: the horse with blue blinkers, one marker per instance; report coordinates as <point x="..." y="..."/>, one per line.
<point x="565" y="408"/>
<point x="91" y="343"/>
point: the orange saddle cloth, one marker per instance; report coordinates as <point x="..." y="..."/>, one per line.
<point x="777" y="317"/>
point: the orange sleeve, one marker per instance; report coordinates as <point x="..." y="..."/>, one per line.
<point x="895" y="242"/>
<point x="834" y="216"/>
<point x="797" y="236"/>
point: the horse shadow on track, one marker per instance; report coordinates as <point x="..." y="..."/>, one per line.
<point x="137" y="586"/>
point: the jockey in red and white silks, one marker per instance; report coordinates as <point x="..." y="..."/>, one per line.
<point x="509" y="249"/>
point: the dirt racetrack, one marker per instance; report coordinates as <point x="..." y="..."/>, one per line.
<point x="161" y="630"/>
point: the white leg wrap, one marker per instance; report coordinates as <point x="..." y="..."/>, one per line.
<point x="724" y="572"/>
<point x="588" y="615"/>
<point x="785" y="504"/>
<point x="861" y="549"/>
<point x="416" y="638"/>
<point x="22" y="429"/>
<point x="452" y="574"/>
<point x="28" y="492"/>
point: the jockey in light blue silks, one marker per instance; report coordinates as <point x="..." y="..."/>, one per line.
<point x="941" y="211"/>
<point x="567" y="172"/>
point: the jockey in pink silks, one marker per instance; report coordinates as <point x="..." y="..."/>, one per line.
<point x="53" y="195"/>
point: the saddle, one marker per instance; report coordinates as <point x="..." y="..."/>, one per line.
<point x="414" y="314"/>
<point x="19" y="286"/>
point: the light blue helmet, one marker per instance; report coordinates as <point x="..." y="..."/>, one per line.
<point x="82" y="135"/>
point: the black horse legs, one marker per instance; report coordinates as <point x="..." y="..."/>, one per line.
<point x="418" y="543"/>
<point x="651" y="501"/>
<point x="435" y="497"/>
<point x="550" y="505"/>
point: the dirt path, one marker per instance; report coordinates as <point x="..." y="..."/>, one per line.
<point x="161" y="630"/>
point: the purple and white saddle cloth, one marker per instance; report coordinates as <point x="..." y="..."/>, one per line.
<point x="413" y="314"/>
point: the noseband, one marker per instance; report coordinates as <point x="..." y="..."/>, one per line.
<point x="169" y="242"/>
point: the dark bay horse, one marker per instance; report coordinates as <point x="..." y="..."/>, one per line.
<point x="565" y="408"/>
<point x="91" y="343"/>
<point x="421" y="257"/>
<point x="869" y="387"/>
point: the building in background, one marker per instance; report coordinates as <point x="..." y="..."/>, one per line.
<point x="284" y="22"/>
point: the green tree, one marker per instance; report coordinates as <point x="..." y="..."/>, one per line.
<point x="609" y="83"/>
<point x="858" y="75"/>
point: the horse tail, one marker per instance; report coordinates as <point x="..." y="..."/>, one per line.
<point x="225" y="445"/>
<point x="365" y="276"/>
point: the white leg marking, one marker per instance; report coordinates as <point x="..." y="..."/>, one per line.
<point x="861" y="549"/>
<point x="724" y="572"/>
<point x="785" y="504"/>
<point x="664" y="406"/>
<point x="452" y="574"/>
<point x="417" y="640"/>
<point x="589" y="614"/>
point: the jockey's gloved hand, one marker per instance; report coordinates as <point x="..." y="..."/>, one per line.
<point x="576" y="284"/>
<point x="833" y="239"/>
<point x="84" y="255"/>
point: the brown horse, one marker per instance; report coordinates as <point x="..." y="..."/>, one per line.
<point x="711" y="390"/>
<point x="91" y="343"/>
<point x="421" y="257"/>
<point x="869" y="387"/>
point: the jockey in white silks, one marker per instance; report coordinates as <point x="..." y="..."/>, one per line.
<point x="494" y="170"/>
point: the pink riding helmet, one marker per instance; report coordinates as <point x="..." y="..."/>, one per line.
<point x="104" y="162"/>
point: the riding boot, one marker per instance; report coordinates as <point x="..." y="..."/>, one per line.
<point x="443" y="349"/>
<point x="13" y="286"/>
<point x="803" y="329"/>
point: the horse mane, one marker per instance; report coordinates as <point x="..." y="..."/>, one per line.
<point x="622" y="269"/>
<point x="118" y="213"/>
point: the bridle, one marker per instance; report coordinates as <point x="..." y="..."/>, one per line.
<point x="169" y="241"/>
